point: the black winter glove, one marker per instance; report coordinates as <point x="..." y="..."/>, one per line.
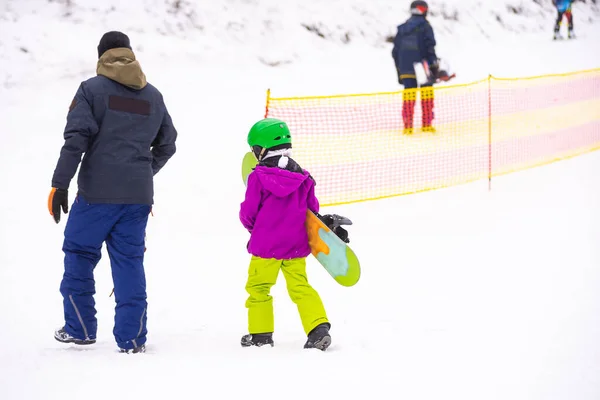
<point x="434" y="70"/>
<point x="334" y="222"/>
<point x="59" y="198"/>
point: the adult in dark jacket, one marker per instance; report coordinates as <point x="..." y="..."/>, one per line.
<point x="415" y="43"/>
<point x="120" y="124"/>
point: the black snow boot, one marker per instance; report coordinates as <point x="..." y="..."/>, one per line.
<point x="135" y="350"/>
<point x="257" y="339"/>
<point x="319" y="337"/>
<point x="64" y="337"/>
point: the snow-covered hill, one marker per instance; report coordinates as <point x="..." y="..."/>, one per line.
<point x="466" y="294"/>
<point x="42" y="39"/>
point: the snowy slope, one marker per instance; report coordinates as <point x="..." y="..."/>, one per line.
<point x="465" y="294"/>
<point x="473" y="34"/>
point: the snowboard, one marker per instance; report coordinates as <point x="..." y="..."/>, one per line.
<point x="333" y="254"/>
<point x="423" y="73"/>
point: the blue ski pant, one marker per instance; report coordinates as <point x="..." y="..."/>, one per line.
<point x="122" y="227"/>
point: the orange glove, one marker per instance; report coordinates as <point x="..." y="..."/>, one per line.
<point x="58" y="198"/>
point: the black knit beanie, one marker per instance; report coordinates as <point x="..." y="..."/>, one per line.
<point x="112" y="40"/>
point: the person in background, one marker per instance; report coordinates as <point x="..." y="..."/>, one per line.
<point x="415" y="43"/>
<point x="563" y="7"/>
<point x="121" y="126"/>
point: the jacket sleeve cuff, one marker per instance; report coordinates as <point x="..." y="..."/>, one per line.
<point x="60" y="185"/>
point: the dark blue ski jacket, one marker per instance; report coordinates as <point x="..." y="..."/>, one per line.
<point x="121" y="126"/>
<point x="414" y="42"/>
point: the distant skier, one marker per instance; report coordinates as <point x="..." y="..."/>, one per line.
<point x="278" y="194"/>
<point x="121" y="126"/>
<point x="415" y="43"/>
<point x="563" y="7"/>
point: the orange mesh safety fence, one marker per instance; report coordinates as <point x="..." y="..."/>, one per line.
<point x="539" y="120"/>
<point x="369" y="146"/>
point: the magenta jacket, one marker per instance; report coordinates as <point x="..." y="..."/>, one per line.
<point x="274" y="212"/>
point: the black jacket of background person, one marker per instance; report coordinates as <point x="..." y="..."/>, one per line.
<point x="414" y="42"/>
<point x="121" y="126"/>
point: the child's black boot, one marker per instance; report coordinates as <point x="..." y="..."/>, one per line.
<point x="257" y="339"/>
<point x="319" y="337"/>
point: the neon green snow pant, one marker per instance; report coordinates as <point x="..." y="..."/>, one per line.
<point x="262" y="275"/>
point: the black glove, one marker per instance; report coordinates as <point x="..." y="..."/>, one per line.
<point x="334" y="222"/>
<point x="443" y="76"/>
<point x="59" y="198"/>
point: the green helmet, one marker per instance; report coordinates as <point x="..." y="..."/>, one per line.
<point x="268" y="133"/>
